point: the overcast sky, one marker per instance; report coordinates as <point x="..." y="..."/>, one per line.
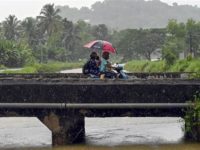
<point x="26" y="8"/>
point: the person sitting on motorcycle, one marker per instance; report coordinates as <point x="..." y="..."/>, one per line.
<point x="93" y="65"/>
<point x="106" y="67"/>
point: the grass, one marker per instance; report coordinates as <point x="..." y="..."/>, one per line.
<point x="131" y="66"/>
<point x="50" y="67"/>
<point x="145" y="66"/>
<point x="160" y="66"/>
<point x="136" y="66"/>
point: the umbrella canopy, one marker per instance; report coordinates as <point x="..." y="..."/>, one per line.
<point x="105" y="46"/>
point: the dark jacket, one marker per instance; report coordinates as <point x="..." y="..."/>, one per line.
<point x="93" y="67"/>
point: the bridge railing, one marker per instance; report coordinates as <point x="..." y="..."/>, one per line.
<point x="143" y="75"/>
<point x="95" y="105"/>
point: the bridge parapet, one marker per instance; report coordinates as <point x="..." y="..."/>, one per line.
<point x="97" y="91"/>
<point x="140" y="75"/>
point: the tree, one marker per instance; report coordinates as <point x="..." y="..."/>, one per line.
<point x="175" y="41"/>
<point x="84" y="34"/>
<point x="11" y="28"/>
<point x="169" y="53"/>
<point x="126" y="43"/>
<point x="85" y="31"/>
<point x="176" y="29"/>
<point x="49" y="22"/>
<point x="149" y="43"/>
<point x="67" y="37"/>
<point x="1" y="32"/>
<point x="137" y="44"/>
<point x="49" y="19"/>
<point x="192" y="36"/>
<point x="70" y="38"/>
<point x="100" y="32"/>
<point x="29" y="27"/>
<point x="183" y="37"/>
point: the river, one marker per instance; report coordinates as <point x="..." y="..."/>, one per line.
<point x="101" y="134"/>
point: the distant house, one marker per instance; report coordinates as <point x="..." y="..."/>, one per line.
<point x="182" y="55"/>
<point x="156" y="55"/>
<point x="87" y="20"/>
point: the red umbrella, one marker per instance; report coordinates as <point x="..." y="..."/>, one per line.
<point x="102" y="45"/>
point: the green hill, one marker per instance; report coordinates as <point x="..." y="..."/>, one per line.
<point x="122" y="14"/>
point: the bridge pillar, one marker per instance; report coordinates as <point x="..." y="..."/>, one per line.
<point x="67" y="127"/>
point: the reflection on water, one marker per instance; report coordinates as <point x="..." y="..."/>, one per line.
<point x="126" y="131"/>
<point x="129" y="134"/>
<point x="23" y="132"/>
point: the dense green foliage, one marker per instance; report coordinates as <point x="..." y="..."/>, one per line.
<point x="123" y="14"/>
<point x="15" y="54"/>
<point x="192" y="122"/>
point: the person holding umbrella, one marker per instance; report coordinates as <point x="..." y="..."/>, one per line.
<point x="102" y="46"/>
<point x="105" y="48"/>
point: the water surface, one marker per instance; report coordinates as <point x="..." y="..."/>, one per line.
<point x="101" y="134"/>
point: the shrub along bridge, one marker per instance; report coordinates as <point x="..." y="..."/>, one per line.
<point x="61" y="101"/>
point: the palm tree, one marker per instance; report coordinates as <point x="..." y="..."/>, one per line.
<point x="67" y="33"/>
<point x="29" y="28"/>
<point x="70" y="36"/>
<point x="48" y="22"/>
<point x="1" y="31"/>
<point x="49" y="19"/>
<point x="11" y="27"/>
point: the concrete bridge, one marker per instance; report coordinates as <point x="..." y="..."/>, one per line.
<point x="61" y="103"/>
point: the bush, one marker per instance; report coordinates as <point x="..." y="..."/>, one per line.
<point x="192" y="119"/>
<point x="194" y="66"/>
<point x="169" y="57"/>
<point x="180" y="66"/>
<point x="2" y="67"/>
<point x="15" y="54"/>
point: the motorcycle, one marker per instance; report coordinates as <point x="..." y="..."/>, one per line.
<point x="119" y="68"/>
